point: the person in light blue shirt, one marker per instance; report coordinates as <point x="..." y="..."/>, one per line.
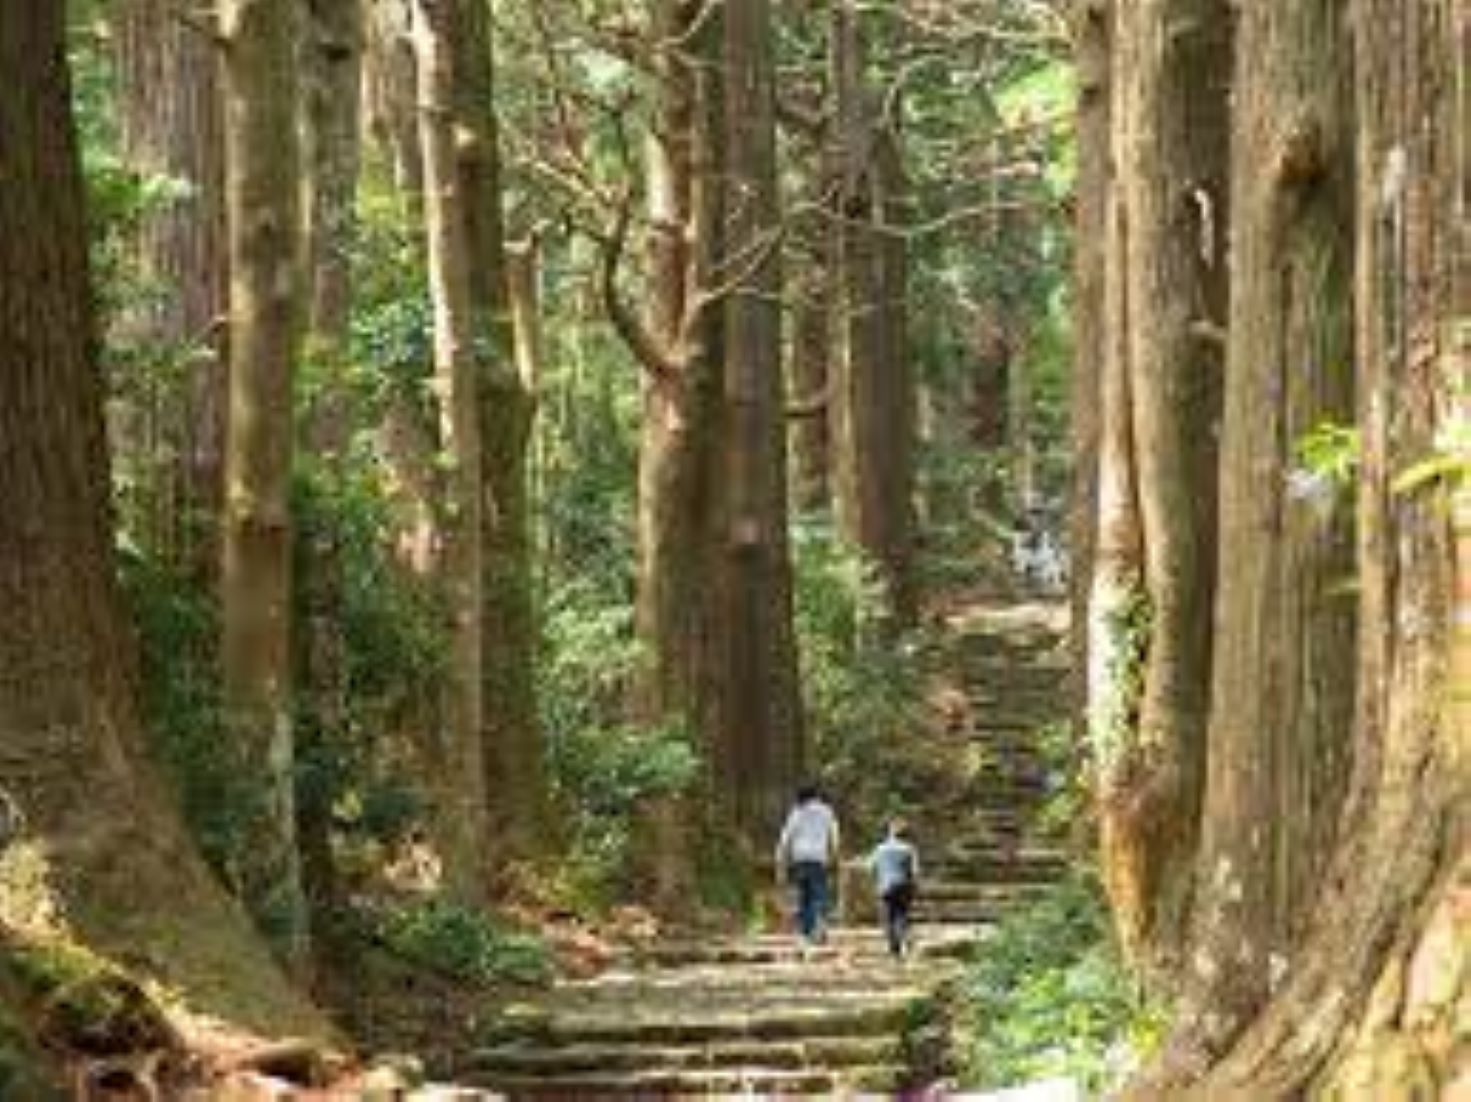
<point x="895" y="865"/>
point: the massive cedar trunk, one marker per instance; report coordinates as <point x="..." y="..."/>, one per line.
<point x="759" y="738"/>
<point x="170" y="122"/>
<point x="1365" y="1003"/>
<point x="1171" y="75"/>
<point x="262" y="203"/>
<point x="330" y="131"/>
<point x="457" y="752"/>
<point x="873" y="400"/>
<point x="1092" y="38"/>
<point x="1284" y="636"/>
<point x="102" y="852"/>
<point x="515" y="782"/>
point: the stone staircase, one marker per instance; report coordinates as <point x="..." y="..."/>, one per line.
<point x="752" y="1015"/>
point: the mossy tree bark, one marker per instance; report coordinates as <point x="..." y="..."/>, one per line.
<point x="103" y="853"/>
<point x="262" y="187"/>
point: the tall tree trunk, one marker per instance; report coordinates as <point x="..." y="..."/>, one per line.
<point x="1284" y="671"/>
<point x="171" y="126"/>
<point x="873" y="403"/>
<point x="330" y="129"/>
<point x="1092" y="38"/>
<point x="515" y="781"/>
<point x="459" y="751"/>
<point x="102" y="849"/>
<point x="1365" y="1005"/>
<point x="262" y="193"/>
<point x="813" y="346"/>
<point x="390" y="92"/>
<point x="1170" y="155"/>
<point x="678" y="448"/>
<point x="759" y="742"/>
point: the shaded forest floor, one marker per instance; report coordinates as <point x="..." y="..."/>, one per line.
<point x="642" y="1011"/>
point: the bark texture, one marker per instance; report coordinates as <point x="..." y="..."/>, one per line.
<point x="1284" y="633"/>
<point x="102" y="850"/>
<point x="263" y="204"/>
<point x="173" y="433"/>
<point x="873" y="408"/>
<point x="515" y="778"/>
<point x="1169" y="116"/>
<point x="458" y="751"/>
<point x="1365" y="1004"/>
<point x="759" y="740"/>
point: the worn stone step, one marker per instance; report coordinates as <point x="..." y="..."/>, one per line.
<point x="670" y="1084"/>
<point x="629" y="1019"/>
<point x="796" y="1054"/>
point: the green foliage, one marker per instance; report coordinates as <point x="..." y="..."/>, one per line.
<point x="1330" y="451"/>
<point x="462" y="944"/>
<point x="177" y="622"/>
<point x="860" y="686"/>
<point x="1127" y="624"/>
<point x="1049" y="996"/>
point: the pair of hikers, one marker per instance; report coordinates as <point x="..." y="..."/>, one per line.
<point x="807" y="855"/>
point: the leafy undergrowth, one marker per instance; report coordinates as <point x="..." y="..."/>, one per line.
<point x="1048" y="996"/>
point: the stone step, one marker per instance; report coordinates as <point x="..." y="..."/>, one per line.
<point x="630" y="1017"/>
<point x="846" y="946"/>
<point x="796" y="1054"/>
<point x="667" y="1084"/>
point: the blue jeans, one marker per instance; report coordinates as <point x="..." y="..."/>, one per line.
<point x="812" y="898"/>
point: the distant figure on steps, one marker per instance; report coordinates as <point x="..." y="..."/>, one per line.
<point x="895" y="865"/>
<point x="805" y="855"/>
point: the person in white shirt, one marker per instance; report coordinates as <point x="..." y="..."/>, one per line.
<point x="805" y="854"/>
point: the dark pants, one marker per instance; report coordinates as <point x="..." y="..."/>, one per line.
<point x="810" y="878"/>
<point x="897" y="902"/>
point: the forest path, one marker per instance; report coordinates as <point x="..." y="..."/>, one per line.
<point x="751" y="1014"/>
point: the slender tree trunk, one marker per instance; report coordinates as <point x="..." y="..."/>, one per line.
<point x="813" y="347"/>
<point x="102" y="850"/>
<point x="515" y="781"/>
<point x="262" y="190"/>
<point x="1283" y="702"/>
<point x="1092" y="33"/>
<point x="759" y="740"/>
<point x="330" y="130"/>
<point x="1363" y="1008"/>
<point x="171" y="123"/>
<point x="1170" y="156"/>
<point x="873" y="402"/>
<point x="459" y="754"/>
<point x="390" y="92"/>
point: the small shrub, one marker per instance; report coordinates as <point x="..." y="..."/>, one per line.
<point x="462" y="943"/>
<point x="1049" y="996"/>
